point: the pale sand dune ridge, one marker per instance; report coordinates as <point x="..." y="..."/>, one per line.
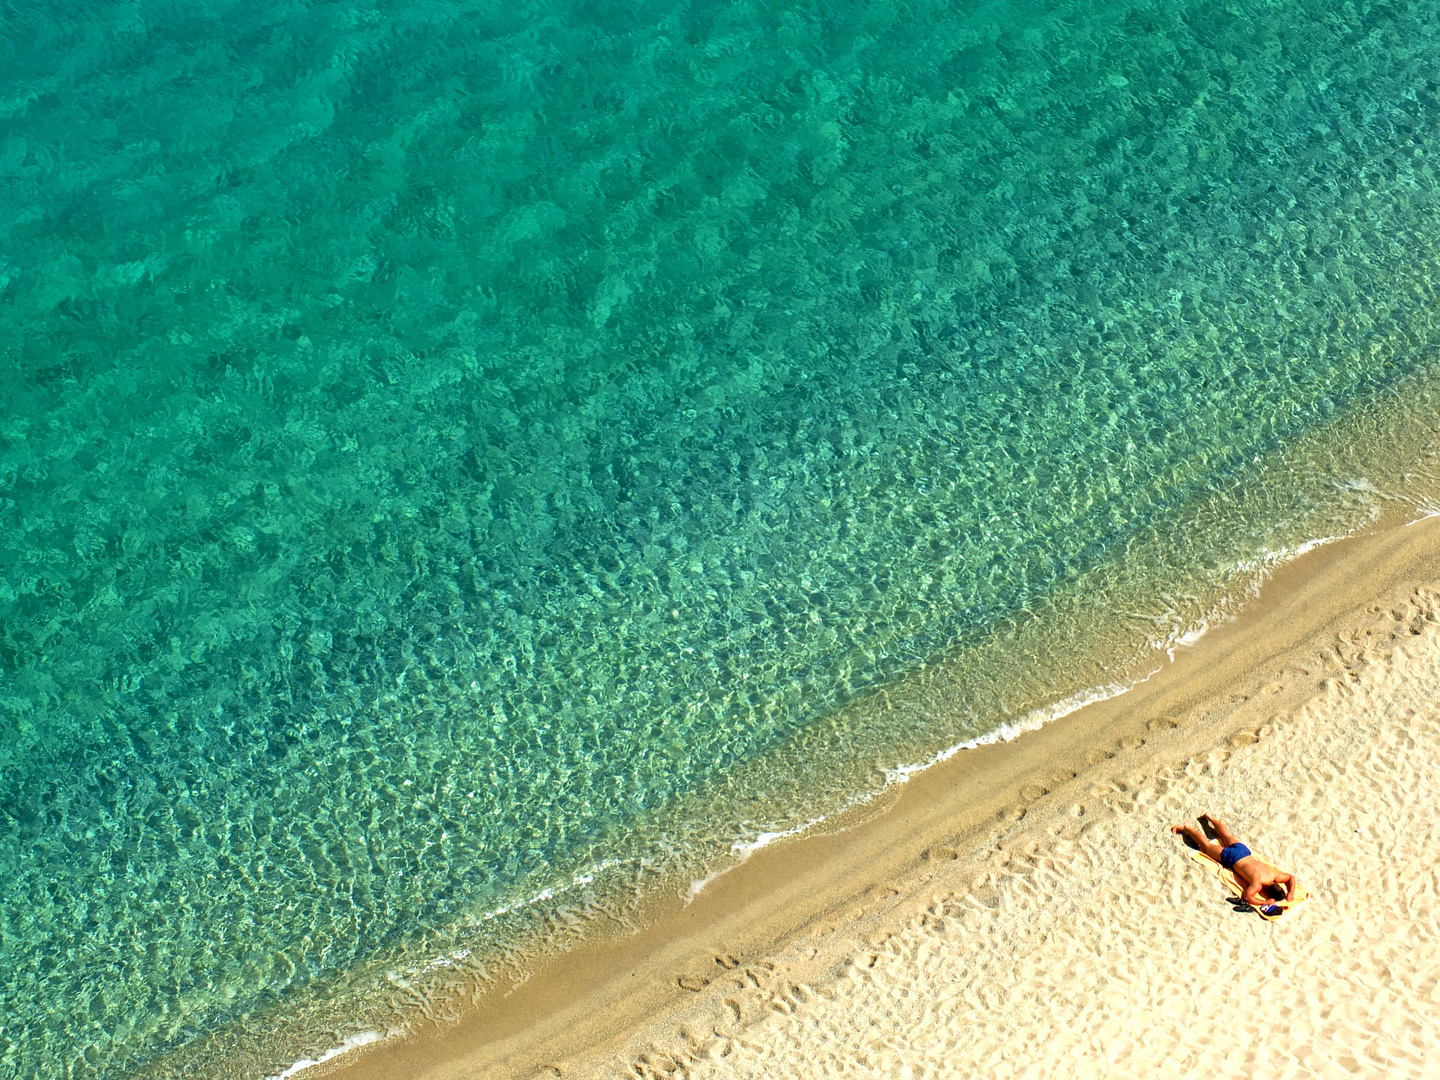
<point x="1101" y="950"/>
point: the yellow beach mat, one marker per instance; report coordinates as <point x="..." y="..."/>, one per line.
<point x="1228" y="880"/>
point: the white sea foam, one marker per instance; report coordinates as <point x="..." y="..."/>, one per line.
<point x="743" y="849"/>
<point x="584" y="877"/>
<point x="901" y="774"/>
<point x="1427" y="510"/>
<point x="457" y="956"/>
<point x="353" y="1042"/>
<point x="1031" y="721"/>
<point x="1267" y="562"/>
<point x="1258" y="570"/>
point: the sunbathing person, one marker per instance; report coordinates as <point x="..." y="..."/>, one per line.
<point x="1261" y="883"/>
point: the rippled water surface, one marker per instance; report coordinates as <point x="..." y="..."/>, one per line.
<point x="460" y="462"/>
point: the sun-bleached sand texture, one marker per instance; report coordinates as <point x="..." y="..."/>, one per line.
<point x="1102" y="950"/>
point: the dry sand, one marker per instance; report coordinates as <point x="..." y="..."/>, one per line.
<point x="1023" y="911"/>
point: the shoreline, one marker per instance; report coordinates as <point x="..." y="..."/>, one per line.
<point x="800" y="904"/>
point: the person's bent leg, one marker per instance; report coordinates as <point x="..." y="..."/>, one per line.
<point x="1194" y="838"/>
<point x="1218" y="830"/>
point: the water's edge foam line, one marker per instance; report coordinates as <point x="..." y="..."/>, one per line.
<point x="353" y="1042"/>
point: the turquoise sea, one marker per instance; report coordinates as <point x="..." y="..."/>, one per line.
<point x="466" y="464"/>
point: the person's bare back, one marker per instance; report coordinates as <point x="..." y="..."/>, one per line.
<point x="1261" y="884"/>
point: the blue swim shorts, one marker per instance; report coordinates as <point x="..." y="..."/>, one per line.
<point x="1231" y="855"/>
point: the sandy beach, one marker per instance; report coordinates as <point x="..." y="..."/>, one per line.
<point x="1022" y="910"/>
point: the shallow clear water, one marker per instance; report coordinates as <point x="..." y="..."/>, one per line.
<point x="452" y="448"/>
